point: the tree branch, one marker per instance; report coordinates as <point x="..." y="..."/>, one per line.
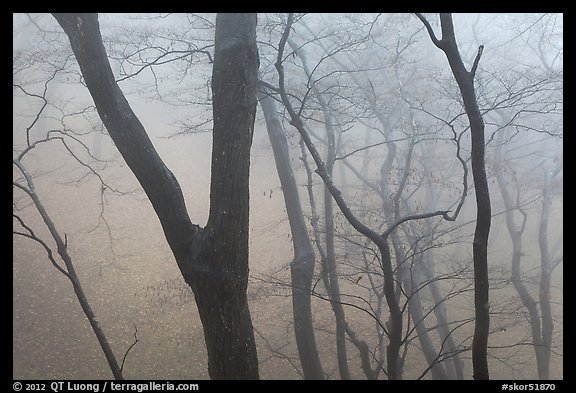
<point x="392" y="227"/>
<point x="31" y="235"/>
<point x="436" y="41"/>
<point x="476" y="61"/>
<point x="136" y="340"/>
<point x="128" y="133"/>
<point x="63" y="252"/>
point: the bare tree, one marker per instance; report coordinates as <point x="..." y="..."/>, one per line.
<point x="394" y="326"/>
<point x="214" y="259"/>
<point x="68" y="270"/>
<point x="539" y="311"/>
<point x="37" y="135"/>
<point x="302" y="265"/>
<point x="465" y="80"/>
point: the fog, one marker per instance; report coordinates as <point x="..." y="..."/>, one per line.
<point x="388" y="95"/>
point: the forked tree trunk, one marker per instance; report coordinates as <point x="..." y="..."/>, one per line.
<point x="214" y="259"/>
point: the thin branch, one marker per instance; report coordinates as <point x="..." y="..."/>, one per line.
<point x="277" y="353"/>
<point x="392" y="227"/>
<point x="476" y="61"/>
<point x="130" y="347"/>
<point x="62" y="246"/>
<point x="31" y="235"/>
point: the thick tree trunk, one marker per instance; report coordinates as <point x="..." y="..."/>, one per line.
<point x="225" y="315"/>
<point x="213" y="260"/>
<point x="302" y="266"/>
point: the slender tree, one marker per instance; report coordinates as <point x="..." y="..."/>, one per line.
<point x="465" y="80"/>
<point x="547" y="265"/>
<point x="329" y="268"/>
<point x="394" y="326"/>
<point x="302" y="265"/>
<point x="68" y="270"/>
<point x="37" y="136"/>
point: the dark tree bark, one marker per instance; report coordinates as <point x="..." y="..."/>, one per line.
<point x="302" y="266"/>
<point x="465" y="80"/>
<point x="213" y="260"/>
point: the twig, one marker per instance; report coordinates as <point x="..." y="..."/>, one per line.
<point x="130" y="347"/>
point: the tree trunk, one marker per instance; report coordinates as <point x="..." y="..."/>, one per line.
<point x="225" y="315"/>
<point x="454" y="365"/>
<point x="213" y="260"/>
<point x="330" y="268"/>
<point x="411" y="287"/>
<point x="302" y="266"/>
<point x="465" y="80"/>
<point x="546" y="268"/>
<point x="516" y="275"/>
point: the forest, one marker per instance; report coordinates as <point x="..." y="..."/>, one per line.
<point x="294" y="196"/>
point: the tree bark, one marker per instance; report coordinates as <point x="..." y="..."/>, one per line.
<point x="465" y="80"/>
<point x="302" y="266"/>
<point x="213" y="260"/>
